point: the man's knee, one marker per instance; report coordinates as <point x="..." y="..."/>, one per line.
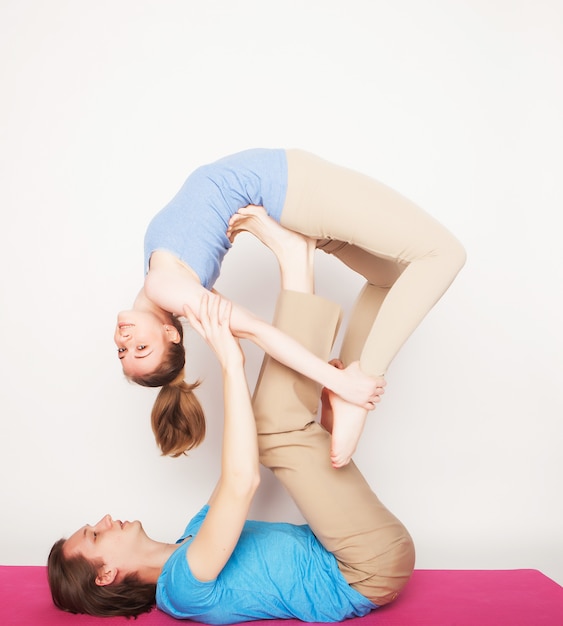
<point x="387" y="575"/>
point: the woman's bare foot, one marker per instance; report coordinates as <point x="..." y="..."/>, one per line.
<point x="294" y="252"/>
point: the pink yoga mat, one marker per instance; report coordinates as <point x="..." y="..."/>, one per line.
<point x="432" y="598"/>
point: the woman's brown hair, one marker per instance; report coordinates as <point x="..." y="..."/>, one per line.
<point x="177" y="419"/>
<point x="73" y="588"/>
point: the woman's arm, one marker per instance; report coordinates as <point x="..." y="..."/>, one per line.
<point x="350" y="383"/>
<point x="172" y="286"/>
<point x="230" y="502"/>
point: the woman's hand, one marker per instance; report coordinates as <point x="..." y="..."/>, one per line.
<point x="358" y="388"/>
<point x="213" y="324"/>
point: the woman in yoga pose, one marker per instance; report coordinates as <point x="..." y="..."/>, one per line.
<point x="225" y="569"/>
<point x="407" y="258"/>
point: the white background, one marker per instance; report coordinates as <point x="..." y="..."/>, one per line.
<point x="106" y="107"/>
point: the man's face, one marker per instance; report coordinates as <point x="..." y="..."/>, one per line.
<point x="112" y="542"/>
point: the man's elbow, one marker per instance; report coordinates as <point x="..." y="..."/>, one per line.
<point x="246" y="484"/>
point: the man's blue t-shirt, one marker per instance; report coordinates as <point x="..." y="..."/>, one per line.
<point x="277" y="571"/>
<point x="193" y="225"/>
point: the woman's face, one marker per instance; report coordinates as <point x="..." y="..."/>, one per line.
<point x="142" y="340"/>
<point x="114" y="543"/>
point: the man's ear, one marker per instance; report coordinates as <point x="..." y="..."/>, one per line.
<point x="106" y="575"/>
<point x="172" y="333"/>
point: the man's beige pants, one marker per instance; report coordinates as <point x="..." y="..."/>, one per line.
<point x="375" y="552"/>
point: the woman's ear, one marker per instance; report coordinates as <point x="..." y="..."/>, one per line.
<point x="106" y="575"/>
<point x="172" y="333"/>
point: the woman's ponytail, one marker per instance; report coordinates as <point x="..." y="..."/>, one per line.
<point x="177" y="419"/>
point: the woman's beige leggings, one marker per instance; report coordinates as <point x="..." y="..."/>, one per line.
<point x="373" y="549"/>
<point x="406" y="256"/>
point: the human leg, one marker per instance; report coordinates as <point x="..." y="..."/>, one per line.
<point x="347" y="420"/>
<point x="380" y="275"/>
<point x="295" y="256"/>
<point x="407" y="257"/>
<point x="329" y="202"/>
<point x="374" y="550"/>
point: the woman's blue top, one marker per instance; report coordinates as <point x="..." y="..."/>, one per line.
<point x="193" y="225"/>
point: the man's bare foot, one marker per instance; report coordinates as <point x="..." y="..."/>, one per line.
<point x="294" y="252"/>
<point x="348" y="422"/>
<point x="327" y="416"/>
<point x="345" y="421"/>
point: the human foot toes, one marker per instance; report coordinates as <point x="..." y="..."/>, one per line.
<point x="254" y="220"/>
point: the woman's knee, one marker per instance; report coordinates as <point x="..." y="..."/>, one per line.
<point x="457" y="255"/>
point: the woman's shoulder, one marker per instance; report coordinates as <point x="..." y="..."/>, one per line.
<point x="170" y="283"/>
<point x="164" y="260"/>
